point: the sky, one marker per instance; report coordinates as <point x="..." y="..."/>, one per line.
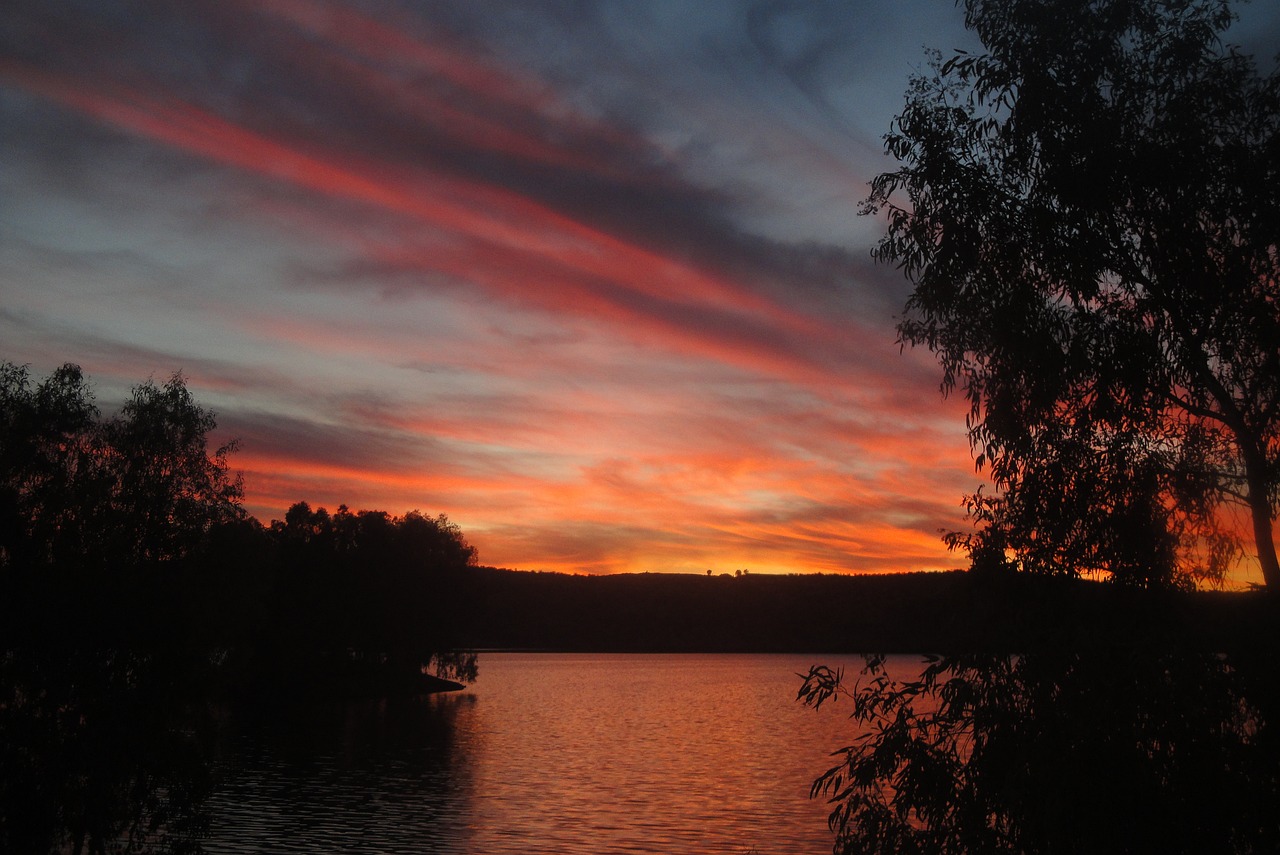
<point x="588" y="276"/>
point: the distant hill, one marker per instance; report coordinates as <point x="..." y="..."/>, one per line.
<point x="909" y="612"/>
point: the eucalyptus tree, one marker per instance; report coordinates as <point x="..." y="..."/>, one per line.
<point x="1089" y="214"/>
<point x="101" y="664"/>
<point x="102" y="495"/>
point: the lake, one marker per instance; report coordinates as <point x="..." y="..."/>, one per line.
<point x="563" y="753"/>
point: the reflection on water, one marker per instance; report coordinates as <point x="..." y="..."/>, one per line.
<point x="101" y="750"/>
<point x="546" y="752"/>
<point x="387" y="776"/>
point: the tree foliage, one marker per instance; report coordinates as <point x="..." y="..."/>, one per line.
<point x="1091" y="225"/>
<point x="1145" y="749"/>
<point x="133" y="587"/>
<point x="106" y="495"/>
<point x="1089" y="214"/>
<point x="375" y="597"/>
<point x="99" y="519"/>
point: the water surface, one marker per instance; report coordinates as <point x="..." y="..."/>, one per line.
<point x="563" y="753"/>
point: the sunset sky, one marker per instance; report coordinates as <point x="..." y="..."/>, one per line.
<point x="586" y="276"/>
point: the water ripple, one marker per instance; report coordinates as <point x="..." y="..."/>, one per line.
<point x="554" y="753"/>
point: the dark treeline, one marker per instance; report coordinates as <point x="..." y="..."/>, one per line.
<point x="126" y="532"/>
<point x="134" y="590"/>
<point x="352" y="603"/>
<point x="910" y="612"/>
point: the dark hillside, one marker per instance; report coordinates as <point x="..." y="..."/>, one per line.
<point x="912" y="612"/>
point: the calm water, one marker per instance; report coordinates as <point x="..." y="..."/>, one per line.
<point x="557" y="753"/>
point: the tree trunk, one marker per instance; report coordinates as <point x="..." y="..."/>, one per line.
<point x="1255" y="468"/>
<point x="1260" y="508"/>
<point x="1266" y="546"/>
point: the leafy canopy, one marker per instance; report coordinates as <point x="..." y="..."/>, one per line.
<point x="1089" y="213"/>
<point x="79" y="491"/>
<point x="1090" y="224"/>
<point x="100" y="519"/>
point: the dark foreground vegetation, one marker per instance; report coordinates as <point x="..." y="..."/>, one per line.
<point x="1088" y="213"/>
<point x="134" y="591"/>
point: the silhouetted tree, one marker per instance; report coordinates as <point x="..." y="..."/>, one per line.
<point x="132" y="584"/>
<point x="1090" y="223"/>
<point x="105" y="496"/>
<point x="168" y="491"/>
<point x="45" y="449"/>
<point x="1103" y="750"/>
<point x="99" y="659"/>
<point x="370" y="600"/>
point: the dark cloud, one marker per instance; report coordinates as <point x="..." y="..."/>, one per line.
<point x="343" y="442"/>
